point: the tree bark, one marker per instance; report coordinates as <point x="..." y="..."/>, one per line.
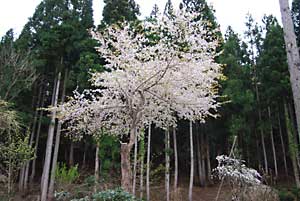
<point x="32" y="175"/>
<point x="71" y="155"/>
<point x="272" y="142"/>
<point x="199" y="160"/>
<point x="57" y="142"/>
<point x="175" y="160"/>
<point x="142" y="157"/>
<point x="292" y="56"/>
<point x="148" y="164"/>
<point x="125" y="167"/>
<point x="292" y="145"/>
<point x="45" y="180"/>
<point x="167" y="172"/>
<point x="208" y="160"/>
<point x="135" y="164"/>
<point x="282" y="145"/>
<point x="26" y="175"/>
<point x="97" y="169"/>
<point x="21" y="179"/>
<point x="192" y="163"/>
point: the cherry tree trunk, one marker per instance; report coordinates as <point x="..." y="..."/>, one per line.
<point x="175" y="160"/>
<point x="46" y="169"/>
<point x="167" y="172"/>
<point x="292" y="145"/>
<point x="282" y="145"/>
<point x="292" y="56"/>
<point x="125" y="167"/>
<point x="192" y="163"/>
<point x="148" y="164"/>
<point x="272" y="142"/>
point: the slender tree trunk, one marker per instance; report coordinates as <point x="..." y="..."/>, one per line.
<point x="208" y="160"/>
<point x="142" y="158"/>
<point x="202" y="150"/>
<point x="71" y="155"/>
<point x="21" y="179"/>
<point x="148" y="164"/>
<point x="57" y="141"/>
<point x="262" y="132"/>
<point x="282" y="145"/>
<point x="37" y="139"/>
<point x="135" y="164"/>
<point x="175" y="159"/>
<point x="97" y="169"/>
<point x="46" y="169"/>
<point x="292" y="56"/>
<point x="292" y="145"/>
<point x="199" y="160"/>
<point x="84" y="155"/>
<point x="192" y="163"/>
<point x="26" y="175"/>
<point x="167" y="155"/>
<point x="273" y="144"/>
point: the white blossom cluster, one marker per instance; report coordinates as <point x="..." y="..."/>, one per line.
<point x="236" y="172"/>
<point x="157" y="72"/>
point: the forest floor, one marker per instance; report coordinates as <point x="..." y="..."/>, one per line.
<point x="157" y="194"/>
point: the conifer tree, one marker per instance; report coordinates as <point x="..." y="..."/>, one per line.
<point x="116" y="11"/>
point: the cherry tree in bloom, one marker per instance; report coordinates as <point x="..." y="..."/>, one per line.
<point x="163" y="71"/>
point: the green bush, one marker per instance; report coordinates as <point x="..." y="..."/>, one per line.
<point x="64" y="175"/>
<point x="114" y="195"/>
<point x="286" y="196"/>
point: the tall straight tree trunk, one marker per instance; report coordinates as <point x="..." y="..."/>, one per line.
<point x="292" y="145"/>
<point x="97" y="169"/>
<point x="57" y="142"/>
<point x="71" y="154"/>
<point x="175" y="159"/>
<point x="32" y="175"/>
<point x="199" y="159"/>
<point x="46" y="169"/>
<point x="202" y="150"/>
<point x="21" y="179"/>
<point x="292" y="56"/>
<point x="148" y="164"/>
<point x="167" y="172"/>
<point x="135" y="164"/>
<point x="262" y="132"/>
<point x="142" y="157"/>
<point x="192" y="163"/>
<point x="208" y="159"/>
<point x="272" y="142"/>
<point x="282" y="144"/>
<point x="26" y="175"/>
<point x="84" y="154"/>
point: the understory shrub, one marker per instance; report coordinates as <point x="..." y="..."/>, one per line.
<point x="66" y="175"/>
<point x="117" y="194"/>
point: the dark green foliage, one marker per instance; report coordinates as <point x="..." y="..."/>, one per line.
<point x="116" y="11"/>
<point x="272" y="63"/>
<point x="114" y="195"/>
<point x="109" y="154"/>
